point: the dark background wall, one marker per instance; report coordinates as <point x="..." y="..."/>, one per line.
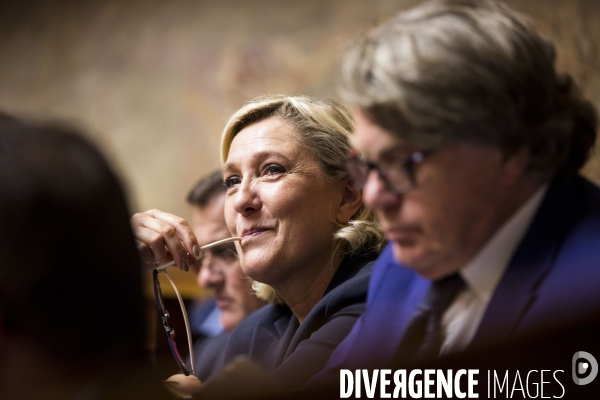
<point x="153" y="81"/>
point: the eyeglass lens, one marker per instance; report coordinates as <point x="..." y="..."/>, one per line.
<point x="223" y="254"/>
<point x="396" y="176"/>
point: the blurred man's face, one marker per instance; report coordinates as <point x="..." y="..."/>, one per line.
<point x="220" y="270"/>
<point x="455" y="207"/>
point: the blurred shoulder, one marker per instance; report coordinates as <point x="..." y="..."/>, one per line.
<point x="268" y="317"/>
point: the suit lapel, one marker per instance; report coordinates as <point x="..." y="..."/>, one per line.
<point x="414" y="295"/>
<point x="532" y="261"/>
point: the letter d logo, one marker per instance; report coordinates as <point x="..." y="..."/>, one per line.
<point x="590" y="365"/>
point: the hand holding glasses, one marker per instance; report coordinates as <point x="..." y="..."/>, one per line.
<point x="165" y="314"/>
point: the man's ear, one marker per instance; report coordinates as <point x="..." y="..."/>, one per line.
<point x="350" y="203"/>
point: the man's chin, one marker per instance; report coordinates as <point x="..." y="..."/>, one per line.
<point x="409" y="257"/>
<point x="405" y="254"/>
<point x="230" y="320"/>
<point x="428" y="264"/>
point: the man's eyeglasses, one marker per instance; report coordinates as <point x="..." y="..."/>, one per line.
<point x="222" y="255"/>
<point x="397" y="173"/>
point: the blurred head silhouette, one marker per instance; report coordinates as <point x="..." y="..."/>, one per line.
<point x="71" y="301"/>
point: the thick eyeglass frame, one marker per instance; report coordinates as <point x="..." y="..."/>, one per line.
<point x="402" y="168"/>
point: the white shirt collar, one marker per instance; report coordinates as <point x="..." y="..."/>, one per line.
<point x="483" y="272"/>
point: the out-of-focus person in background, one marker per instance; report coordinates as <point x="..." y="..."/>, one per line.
<point x="71" y="299"/>
<point x="205" y="317"/>
<point x="306" y="236"/>
<point x="220" y="272"/>
<point x="469" y="145"/>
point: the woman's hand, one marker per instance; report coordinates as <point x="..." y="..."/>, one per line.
<point x="162" y="237"/>
<point x="183" y="386"/>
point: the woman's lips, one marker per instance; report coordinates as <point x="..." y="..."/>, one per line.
<point x="248" y="233"/>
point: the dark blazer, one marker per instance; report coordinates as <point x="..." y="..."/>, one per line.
<point x="292" y="352"/>
<point x="208" y="347"/>
<point x="553" y="280"/>
<point x="207" y="355"/>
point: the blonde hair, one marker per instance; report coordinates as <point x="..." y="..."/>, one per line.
<point x="324" y="128"/>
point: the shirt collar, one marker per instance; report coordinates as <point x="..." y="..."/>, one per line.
<point x="483" y="272"/>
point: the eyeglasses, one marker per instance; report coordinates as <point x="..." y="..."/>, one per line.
<point x="165" y="321"/>
<point x="165" y="316"/>
<point x="221" y="256"/>
<point x="398" y="173"/>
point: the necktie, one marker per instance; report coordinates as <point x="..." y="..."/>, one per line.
<point x="423" y="337"/>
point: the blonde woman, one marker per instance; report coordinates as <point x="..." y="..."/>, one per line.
<point x="307" y="240"/>
<point x="307" y="237"/>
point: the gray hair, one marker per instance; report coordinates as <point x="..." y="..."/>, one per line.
<point x="324" y="128"/>
<point x="470" y="71"/>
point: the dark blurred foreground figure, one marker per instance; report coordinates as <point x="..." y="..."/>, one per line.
<point x="71" y="320"/>
<point x="469" y="143"/>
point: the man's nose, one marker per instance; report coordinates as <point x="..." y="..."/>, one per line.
<point x="376" y="195"/>
<point x="210" y="275"/>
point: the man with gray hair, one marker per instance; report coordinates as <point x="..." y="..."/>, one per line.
<point x="468" y="144"/>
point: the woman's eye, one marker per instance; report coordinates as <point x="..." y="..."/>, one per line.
<point x="231" y="182"/>
<point x="273" y="169"/>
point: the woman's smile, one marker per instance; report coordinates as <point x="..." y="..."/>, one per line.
<point x="252" y="232"/>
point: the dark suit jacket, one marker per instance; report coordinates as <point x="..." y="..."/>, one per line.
<point x="292" y="353"/>
<point x="553" y="280"/>
<point x="208" y="353"/>
<point x="208" y="348"/>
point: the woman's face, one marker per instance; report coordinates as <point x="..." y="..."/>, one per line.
<point x="280" y="203"/>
